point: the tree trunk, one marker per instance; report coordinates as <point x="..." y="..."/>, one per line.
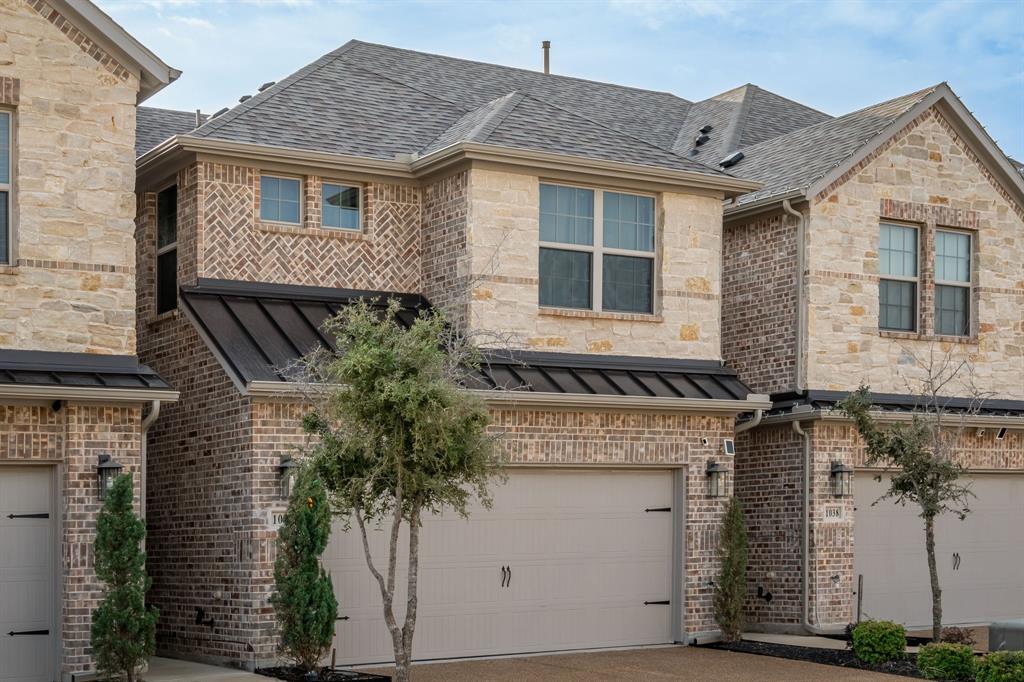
<point x="933" y="573"/>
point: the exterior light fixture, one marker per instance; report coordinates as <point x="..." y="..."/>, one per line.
<point x="107" y="471"/>
<point x="716" y="474"/>
<point x="842" y="479"/>
<point x="286" y="470"/>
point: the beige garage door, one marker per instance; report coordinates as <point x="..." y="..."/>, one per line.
<point x="27" y="633"/>
<point x="980" y="560"/>
<point x="564" y="560"/>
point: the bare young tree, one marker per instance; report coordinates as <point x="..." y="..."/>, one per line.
<point x="922" y="452"/>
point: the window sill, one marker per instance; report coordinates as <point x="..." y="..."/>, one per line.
<point x="600" y="315"/>
<point x="303" y="231"/>
<point x="6" y="269"/>
<point x="166" y="316"/>
<point x="916" y="336"/>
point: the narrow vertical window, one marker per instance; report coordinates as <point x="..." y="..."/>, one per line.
<point x="628" y="260"/>
<point x="340" y="210"/>
<point x="897" y="288"/>
<point x="5" y="186"/>
<point x="279" y="199"/>
<point x="952" y="283"/>
<point x="167" y="250"/>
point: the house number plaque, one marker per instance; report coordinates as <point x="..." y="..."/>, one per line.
<point x="834" y="512"/>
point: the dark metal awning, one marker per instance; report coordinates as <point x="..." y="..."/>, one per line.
<point x="258" y="330"/>
<point x="813" y="404"/>
<point x="49" y="375"/>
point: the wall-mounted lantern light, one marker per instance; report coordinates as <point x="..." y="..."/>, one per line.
<point x="842" y="479"/>
<point x="107" y="472"/>
<point x="286" y="470"/>
<point x="716" y="474"/>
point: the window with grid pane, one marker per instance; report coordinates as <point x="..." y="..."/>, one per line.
<point x="340" y="207"/>
<point x="5" y="185"/>
<point x="897" y="288"/>
<point x="167" y="250"/>
<point x="952" y="283"/>
<point x="279" y="199"/>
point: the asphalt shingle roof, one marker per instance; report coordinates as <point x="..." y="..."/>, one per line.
<point x="153" y="126"/>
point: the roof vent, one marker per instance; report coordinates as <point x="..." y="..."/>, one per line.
<point x="700" y="139"/>
<point x="244" y="98"/>
<point x="265" y="86"/>
<point x="731" y="160"/>
<point x="694" y="152"/>
<point x="706" y="129"/>
<point x="199" y="118"/>
<point x="218" y="113"/>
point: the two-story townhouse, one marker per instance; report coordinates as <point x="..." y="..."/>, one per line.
<point x="520" y="202"/>
<point x="74" y="400"/>
<point x="882" y="241"/>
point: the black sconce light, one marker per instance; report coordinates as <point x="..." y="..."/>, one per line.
<point x="842" y="479"/>
<point x="107" y="472"/>
<point x="716" y="474"/>
<point x="286" y="470"/>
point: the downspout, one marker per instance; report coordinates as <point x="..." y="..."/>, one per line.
<point x="801" y="294"/>
<point x="147" y="421"/>
<point x="750" y="423"/>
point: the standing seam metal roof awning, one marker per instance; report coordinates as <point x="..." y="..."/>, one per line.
<point x="258" y="330"/>
<point x="42" y="369"/>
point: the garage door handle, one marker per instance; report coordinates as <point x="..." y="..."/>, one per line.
<point x="28" y="516"/>
<point x="13" y="633"/>
<point x="342" y="618"/>
<point x="659" y="509"/>
<point x="652" y="603"/>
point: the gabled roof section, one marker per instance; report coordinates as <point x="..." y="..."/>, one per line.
<point x="153" y="73"/>
<point x="153" y="126"/>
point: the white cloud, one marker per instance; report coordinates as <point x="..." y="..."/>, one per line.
<point x="194" y="22"/>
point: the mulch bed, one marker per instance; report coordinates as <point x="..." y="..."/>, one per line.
<point x="292" y="674"/>
<point x="843" y="658"/>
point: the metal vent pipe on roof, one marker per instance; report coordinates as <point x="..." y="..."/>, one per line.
<point x="546" y="46"/>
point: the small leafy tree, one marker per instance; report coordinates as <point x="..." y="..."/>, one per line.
<point x="921" y="454"/>
<point x="123" y="632"/>
<point x="731" y="586"/>
<point x="398" y="436"/>
<point x="304" y="597"/>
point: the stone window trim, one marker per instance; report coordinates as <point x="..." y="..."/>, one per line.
<point x="598" y="250"/>
<point x="930" y="219"/>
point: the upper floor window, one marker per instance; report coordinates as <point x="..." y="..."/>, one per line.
<point x="167" y="250"/>
<point x="5" y="185"/>
<point x="897" y="288"/>
<point x="280" y="199"/>
<point x="952" y="283"/>
<point x="597" y="249"/>
<point x="340" y="207"/>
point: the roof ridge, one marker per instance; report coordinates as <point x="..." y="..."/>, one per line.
<point x="735" y="131"/>
<point x="524" y="70"/>
<point x="173" y="111"/>
<point x="480" y="124"/>
<point x="494" y="119"/>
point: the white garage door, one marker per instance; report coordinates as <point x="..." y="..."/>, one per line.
<point x="26" y="574"/>
<point x="980" y="559"/>
<point x="563" y="560"/>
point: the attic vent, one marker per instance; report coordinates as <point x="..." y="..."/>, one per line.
<point x="731" y="160"/>
<point x="218" y="113"/>
<point x="265" y="86"/>
<point x="706" y="129"/>
<point x="700" y="139"/>
<point x="244" y="98"/>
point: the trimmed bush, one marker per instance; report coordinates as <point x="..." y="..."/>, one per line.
<point x="731" y="586"/>
<point x="1001" y="666"/>
<point x="945" y="661"/>
<point x="879" y="641"/>
<point x="955" y="635"/>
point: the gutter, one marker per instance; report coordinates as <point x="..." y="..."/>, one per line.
<point x="750" y="423"/>
<point x="978" y="420"/>
<point x="801" y="294"/>
<point x="58" y="392"/>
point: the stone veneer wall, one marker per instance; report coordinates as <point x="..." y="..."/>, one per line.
<point x="503" y="225"/>
<point x="72" y="439"/>
<point x="70" y="284"/>
<point x="928" y="177"/>
<point x="759" y="305"/>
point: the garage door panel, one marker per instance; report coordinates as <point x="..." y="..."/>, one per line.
<point x="583" y="557"/>
<point x="978" y="559"/>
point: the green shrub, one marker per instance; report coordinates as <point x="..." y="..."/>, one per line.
<point x="879" y="641"/>
<point x="1001" y="666"/>
<point x="946" y="661"/>
<point x="731" y="586"/>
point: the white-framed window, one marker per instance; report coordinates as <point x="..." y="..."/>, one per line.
<point x="167" y="249"/>
<point x="952" y="283"/>
<point x="898" y="284"/>
<point x="280" y="199"/>
<point x="6" y="183"/>
<point x="596" y="249"/>
<point x="341" y="206"/>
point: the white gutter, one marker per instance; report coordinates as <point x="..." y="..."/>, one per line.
<point x="977" y="420"/>
<point x="750" y="423"/>
<point x="801" y="294"/>
<point x="46" y="392"/>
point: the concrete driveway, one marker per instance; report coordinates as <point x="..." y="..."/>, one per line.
<point x="661" y="663"/>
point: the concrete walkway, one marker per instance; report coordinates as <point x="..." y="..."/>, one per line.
<point x="172" y="670"/>
<point x="662" y="663"/>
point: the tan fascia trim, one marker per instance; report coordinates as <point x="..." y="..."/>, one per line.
<point x="134" y="395"/>
<point x="734" y="212"/>
<point x="153" y="73"/>
<point x="972" y="421"/>
<point x="280" y="389"/>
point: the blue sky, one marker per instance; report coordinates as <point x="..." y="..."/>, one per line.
<point x="834" y="56"/>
